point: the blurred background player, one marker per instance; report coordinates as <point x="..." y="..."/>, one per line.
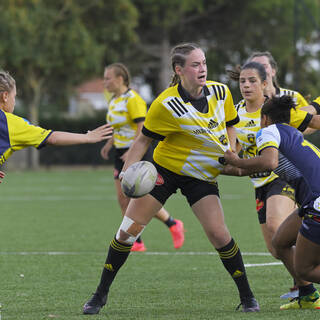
<point x="126" y="114"/>
<point x="17" y="133"/>
<point x="283" y="149"/>
<point x="193" y="121"/>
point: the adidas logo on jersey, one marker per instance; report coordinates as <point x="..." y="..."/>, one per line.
<point x="251" y="123"/>
<point x="212" y="124"/>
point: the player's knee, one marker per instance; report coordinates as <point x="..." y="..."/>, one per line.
<point x="129" y="231"/>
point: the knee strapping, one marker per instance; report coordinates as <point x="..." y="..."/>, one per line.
<point x="129" y="230"/>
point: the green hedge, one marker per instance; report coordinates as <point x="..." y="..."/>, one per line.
<point x="82" y="154"/>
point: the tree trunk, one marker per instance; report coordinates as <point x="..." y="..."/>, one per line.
<point x="33" y="154"/>
<point x="165" y="72"/>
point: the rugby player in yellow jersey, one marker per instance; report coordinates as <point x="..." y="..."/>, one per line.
<point x="17" y="133"/>
<point x="192" y="119"/>
<point x="126" y="114"/>
<point x="275" y="198"/>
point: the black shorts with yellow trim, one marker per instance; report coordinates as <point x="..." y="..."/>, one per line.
<point x="118" y="163"/>
<point x="193" y="189"/>
<point x="275" y="187"/>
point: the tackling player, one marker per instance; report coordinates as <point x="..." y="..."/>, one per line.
<point x="283" y="149"/>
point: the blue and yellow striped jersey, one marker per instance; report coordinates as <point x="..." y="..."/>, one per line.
<point x="247" y="129"/>
<point x="191" y="140"/>
<point x="17" y="133"/>
<point x="299" y="160"/>
<point x="123" y="112"/>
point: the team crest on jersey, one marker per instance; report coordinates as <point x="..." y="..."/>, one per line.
<point x="251" y="138"/>
<point x="250" y="124"/>
<point x="223" y="140"/>
<point x="212" y="124"/>
<point x="316" y="204"/>
<point x="160" y="180"/>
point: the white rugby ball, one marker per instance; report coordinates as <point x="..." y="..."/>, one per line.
<point x="139" y="179"/>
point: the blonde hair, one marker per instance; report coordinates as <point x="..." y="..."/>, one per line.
<point x="121" y="70"/>
<point x="178" y="57"/>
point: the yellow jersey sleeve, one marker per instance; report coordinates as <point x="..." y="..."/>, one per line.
<point x="23" y="134"/>
<point x="160" y="121"/>
<point x="137" y="108"/>
<point x="299" y="119"/>
<point x="17" y="133"/>
<point x="301" y="101"/>
<point x="230" y="110"/>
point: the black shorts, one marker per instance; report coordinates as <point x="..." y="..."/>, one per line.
<point x="193" y="189"/>
<point x="310" y="229"/>
<point x="275" y="187"/>
<point x="118" y="163"/>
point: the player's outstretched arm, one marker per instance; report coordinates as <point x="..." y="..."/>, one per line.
<point x="63" y="138"/>
<point x="267" y="160"/>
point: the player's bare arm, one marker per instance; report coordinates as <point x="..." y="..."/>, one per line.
<point x="267" y="160"/>
<point x="62" y="138"/>
<point x="137" y="150"/>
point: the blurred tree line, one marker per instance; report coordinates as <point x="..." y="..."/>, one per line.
<point x="51" y="46"/>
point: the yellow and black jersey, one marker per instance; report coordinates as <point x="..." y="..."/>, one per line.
<point x="246" y="130"/>
<point x="299" y="100"/>
<point x="124" y="112"/>
<point x="299" y="118"/>
<point x="17" y="133"/>
<point x="192" y="133"/>
<point x="316" y="104"/>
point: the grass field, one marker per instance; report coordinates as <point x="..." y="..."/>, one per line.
<point x="55" y="228"/>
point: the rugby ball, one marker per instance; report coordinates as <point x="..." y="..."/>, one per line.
<point x="139" y="179"/>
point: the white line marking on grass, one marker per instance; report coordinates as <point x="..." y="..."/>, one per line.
<point x="65" y="253"/>
<point x="186" y="253"/>
<point x="60" y="198"/>
<point x="248" y="265"/>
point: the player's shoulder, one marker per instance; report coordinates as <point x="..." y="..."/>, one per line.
<point x="288" y="92"/>
<point x="215" y="84"/>
<point x="240" y="105"/>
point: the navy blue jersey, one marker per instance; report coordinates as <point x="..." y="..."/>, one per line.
<point x="299" y="161"/>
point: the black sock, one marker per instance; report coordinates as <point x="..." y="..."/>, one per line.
<point x="170" y="222"/>
<point x="231" y="258"/>
<point x="139" y="240"/>
<point x="306" y="290"/>
<point x="117" y="256"/>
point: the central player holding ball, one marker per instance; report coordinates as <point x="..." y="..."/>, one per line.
<point x="193" y="120"/>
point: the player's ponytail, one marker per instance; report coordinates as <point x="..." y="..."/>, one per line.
<point x="178" y="57"/>
<point x="278" y="108"/>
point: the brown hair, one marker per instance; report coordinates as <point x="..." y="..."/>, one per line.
<point x="271" y="60"/>
<point x="178" y="57"/>
<point x="7" y="83"/>
<point x="121" y="70"/>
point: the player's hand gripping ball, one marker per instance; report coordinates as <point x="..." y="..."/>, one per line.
<point x="139" y="179"/>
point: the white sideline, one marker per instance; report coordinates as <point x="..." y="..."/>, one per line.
<point x="61" y="253"/>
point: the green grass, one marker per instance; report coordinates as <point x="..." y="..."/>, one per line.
<point x="75" y="215"/>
